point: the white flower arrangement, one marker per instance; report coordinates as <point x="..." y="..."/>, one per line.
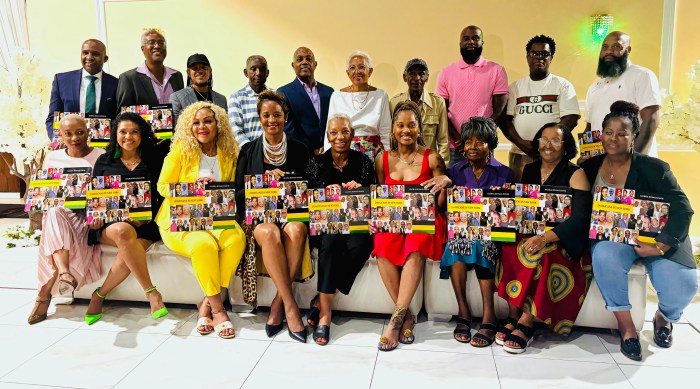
<point x="19" y="235"/>
<point x="24" y="95"/>
<point x="680" y="122"/>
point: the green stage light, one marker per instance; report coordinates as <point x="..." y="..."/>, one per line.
<point x="600" y="26"/>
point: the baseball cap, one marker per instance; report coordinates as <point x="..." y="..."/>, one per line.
<point x="415" y="62"/>
<point x="197" y="58"/>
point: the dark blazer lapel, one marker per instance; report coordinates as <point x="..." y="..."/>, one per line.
<point x="147" y="87"/>
<point x="633" y="175"/>
<point x="76" y="78"/>
<point x="299" y="89"/>
<point x="325" y="100"/>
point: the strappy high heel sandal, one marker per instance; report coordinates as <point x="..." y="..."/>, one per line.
<point x="33" y="317"/>
<point x="396" y="321"/>
<point x="91" y="319"/>
<point x="161" y="312"/>
<point x="406" y="336"/>
<point x="67" y="287"/>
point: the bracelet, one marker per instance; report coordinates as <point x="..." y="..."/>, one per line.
<point x="661" y="251"/>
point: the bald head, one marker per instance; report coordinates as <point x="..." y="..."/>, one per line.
<point x="620" y="35"/>
<point x="471" y="41"/>
<point x="93" y="55"/>
<point x="304" y="65"/>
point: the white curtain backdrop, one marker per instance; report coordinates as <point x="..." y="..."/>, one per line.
<point x="13" y="29"/>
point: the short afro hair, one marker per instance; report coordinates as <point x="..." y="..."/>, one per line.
<point x="482" y="128"/>
<point x="541" y="39"/>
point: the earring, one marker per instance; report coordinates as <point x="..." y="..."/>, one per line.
<point x="118" y="152"/>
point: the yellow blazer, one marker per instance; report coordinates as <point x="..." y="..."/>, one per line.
<point x="173" y="171"/>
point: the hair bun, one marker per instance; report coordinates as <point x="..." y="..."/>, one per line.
<point x="624" y="107"/>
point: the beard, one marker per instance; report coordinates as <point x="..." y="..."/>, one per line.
<point x="614" y="68"/>
<point x="470" y="55"/>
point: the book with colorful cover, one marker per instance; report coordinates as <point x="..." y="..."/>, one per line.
<point x="539" y="208"/>
<point x="160" y="117"/>
<point x="272" y="200"/>
<point x="100" y="130"/>
<point x="195" y="206"/>
<point x="500" y="213"/>
<point x="58" y="187"/>
<point x="590" y="144"/>
<point x="403" y="209"/>
<point x="119" y="198"/>
<point x="479" y="214"/>
<point x="627" y="216"/>
<point x="339" y="211"/>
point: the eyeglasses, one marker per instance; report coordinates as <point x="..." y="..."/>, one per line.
<point x="544" y="54"/>
<point x="344" y="133"/>
<point x="154" y="42"/>
<point x="354" y="68"/>
<point x="554" y="142"/>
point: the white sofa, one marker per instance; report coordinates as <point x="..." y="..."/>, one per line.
<point x="175" y="279"/>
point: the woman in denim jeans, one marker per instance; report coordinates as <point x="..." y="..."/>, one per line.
<point x="670" y="261"/>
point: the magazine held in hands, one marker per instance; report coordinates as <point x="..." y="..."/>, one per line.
<point x="627" y="216"/>
<point x="99" y="128"/>
<point x="160" y="117"/>
<point x="590" y="144"/>
<point x="403" y="209"/>
<point x="337" y="210"/>
<point x="57" y="187"/>
<point x="119" y="198"/>
<point x="195" y="206"/>
<point x="269" y="199"/>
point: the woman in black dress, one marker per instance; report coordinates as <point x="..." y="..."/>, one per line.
<point x="131" y="151"/>
<point x="341" y="257"/>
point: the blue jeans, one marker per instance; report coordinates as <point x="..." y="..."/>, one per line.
<point x="675" y="284"/>
<point x="456" y="156"/>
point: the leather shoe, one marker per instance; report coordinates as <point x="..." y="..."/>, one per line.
<point x="273" y="329"/>
<point x="631" y="348"/>
<point x="663" y="336"/>
<point x="299" y="336"/>
<point x="322" y="335"/>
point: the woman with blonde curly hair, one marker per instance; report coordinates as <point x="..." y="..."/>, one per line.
<point x="203" y="150"/>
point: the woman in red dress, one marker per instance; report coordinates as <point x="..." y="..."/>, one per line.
<point x="401" y="258"/>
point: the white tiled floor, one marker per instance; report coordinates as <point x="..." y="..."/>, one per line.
<point x="128" y="349"/>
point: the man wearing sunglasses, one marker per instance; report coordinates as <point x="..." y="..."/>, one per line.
<point x="535" y="100"/>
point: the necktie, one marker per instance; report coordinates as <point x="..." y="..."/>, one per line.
<point x="90" y="97"/>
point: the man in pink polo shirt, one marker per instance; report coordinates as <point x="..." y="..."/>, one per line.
<point x="472" y="86"/>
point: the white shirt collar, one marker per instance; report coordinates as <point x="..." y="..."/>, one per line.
<point x="98" y="75"/>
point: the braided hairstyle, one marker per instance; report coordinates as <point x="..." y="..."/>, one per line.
<point x="627" y="112"/>
<point x="406" y="106"/>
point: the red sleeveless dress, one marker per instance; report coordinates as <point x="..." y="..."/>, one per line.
<point x="397" y="247"/>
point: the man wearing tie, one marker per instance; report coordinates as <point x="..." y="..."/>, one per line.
<point x="88" y="90"/>
<point x="308" y="102"/>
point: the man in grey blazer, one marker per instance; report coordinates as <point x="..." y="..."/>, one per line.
<point x="199" y="87"/>
<point x="151" y="83"/>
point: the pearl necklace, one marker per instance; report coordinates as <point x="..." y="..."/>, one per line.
<point x="362" y="103"/>
<point x="277" y="155"/>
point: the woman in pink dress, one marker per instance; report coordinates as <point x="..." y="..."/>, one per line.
<point x="401" y="258"/>
<point x="64" y="254"/>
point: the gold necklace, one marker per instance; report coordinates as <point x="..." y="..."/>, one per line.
<point x="130" y="164"/>
<point x="408" y="163"/>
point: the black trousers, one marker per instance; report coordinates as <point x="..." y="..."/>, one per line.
<point x="340" y="259"/>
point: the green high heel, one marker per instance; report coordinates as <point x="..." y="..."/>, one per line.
<point x="159" y="313"/>
<point x="92" y="319"/>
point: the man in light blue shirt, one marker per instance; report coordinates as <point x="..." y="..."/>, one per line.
<point x="242" y="108"/>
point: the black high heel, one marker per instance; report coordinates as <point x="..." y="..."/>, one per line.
<point x="312" y="316"/>
<point x="273" y="329"/>
<point x="299" y="336"/>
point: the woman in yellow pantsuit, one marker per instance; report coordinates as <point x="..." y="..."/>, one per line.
<point x="203" y="149"/>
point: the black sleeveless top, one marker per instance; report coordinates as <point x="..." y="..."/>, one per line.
<point x="573" y="232"/>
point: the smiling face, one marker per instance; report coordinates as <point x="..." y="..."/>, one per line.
<point x="128" y="135"/>
<point x="358" y="71"/>
<point x="551" y="145"/>
<point x="304" y="63"/>
<point x="153" y="48"/>
<point x="538" y="59"/>
<point x="340" y="135"/>
<point x="272" y="117"/>
<point x="204" y="126"/>
<point x="476" y="150"/>
<point x="93" y="55"/>
<point x="406" y="130"/>
<point x="199" y="74"/>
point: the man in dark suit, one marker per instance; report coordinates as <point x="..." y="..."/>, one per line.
<point x="199" y="87"/>
<point x="87" y="90"/>
<point x="151" y="83"/>
<point x="308" y="102"/>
